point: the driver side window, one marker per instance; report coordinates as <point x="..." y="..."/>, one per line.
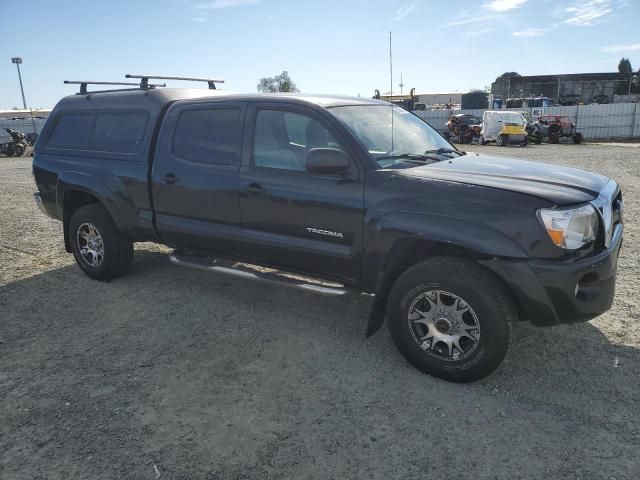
<point x="282" y="139"/>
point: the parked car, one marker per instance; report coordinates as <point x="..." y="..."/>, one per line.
<point x="455" y="247"/>
<point x="557" y="127"/>
<point x="504" y="128"/>
<point x="463" y="128"/>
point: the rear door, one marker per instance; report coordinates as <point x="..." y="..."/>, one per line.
<point x="195" y="176"/>
<point x="291" y="218"/>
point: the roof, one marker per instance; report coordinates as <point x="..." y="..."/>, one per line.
<point x="157" y="98"/>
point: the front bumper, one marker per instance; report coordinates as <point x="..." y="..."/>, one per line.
<point x="552" y="292"/>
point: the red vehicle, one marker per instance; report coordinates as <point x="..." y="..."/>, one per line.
<point x="556" y="127"/>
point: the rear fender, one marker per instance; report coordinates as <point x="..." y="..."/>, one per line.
<point x="110" y="194"/>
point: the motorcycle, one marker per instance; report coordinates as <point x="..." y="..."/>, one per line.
<point x="17" y="146"/>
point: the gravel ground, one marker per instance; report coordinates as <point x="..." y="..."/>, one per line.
<point x="174" y="373"/>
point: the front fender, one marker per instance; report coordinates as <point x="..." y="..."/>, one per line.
<point x="393" y="230"/>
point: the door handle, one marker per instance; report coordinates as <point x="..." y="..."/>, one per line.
<point x="254" y="189"/>
<point x="170" y="179"/>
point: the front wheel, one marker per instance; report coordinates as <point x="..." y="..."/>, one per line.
<point x="100" y="249"/>
<point x="502" y="140"/>
<point x="578" y="138"/>
<point x="450" y="318"/>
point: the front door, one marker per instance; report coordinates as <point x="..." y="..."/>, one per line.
<point x="291" y="218"/>
<point x="195" y="176"/>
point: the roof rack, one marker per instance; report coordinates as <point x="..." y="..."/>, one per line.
<point x="144" y="80"/>
<point x="83" y="84"/>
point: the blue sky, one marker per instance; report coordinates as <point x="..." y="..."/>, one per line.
<point x="327" y="46"/>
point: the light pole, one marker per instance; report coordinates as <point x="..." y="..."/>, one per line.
<point x="18" y="61"/>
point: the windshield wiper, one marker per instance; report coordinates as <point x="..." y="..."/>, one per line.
<point x="410" y="156"/>
<point x="445" y="150"/>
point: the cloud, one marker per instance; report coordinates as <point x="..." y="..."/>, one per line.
<point x="504" y="5"/>
<point x="585" y="14"/>
<point x="404" y="10"/>
<point x="530" y="32"/>
<point x="466" y="21"/>
<point x="199" y="19"/>
<point x="621" y="48"/>
<point x="477" y="33"/>
<point x="218" y="4"/>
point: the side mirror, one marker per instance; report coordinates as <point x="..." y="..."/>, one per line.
<point x="325" y="160"/>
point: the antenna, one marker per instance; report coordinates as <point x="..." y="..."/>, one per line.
<point x="391" y="84"/>
<point x="144" y="79"/>
<point x="83" y="84"/>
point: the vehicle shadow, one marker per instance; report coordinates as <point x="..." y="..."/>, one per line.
<point x="164" y="361"/>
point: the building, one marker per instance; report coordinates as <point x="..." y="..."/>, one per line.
<point x="568" y="89"/>
<point x="432" y="99"/>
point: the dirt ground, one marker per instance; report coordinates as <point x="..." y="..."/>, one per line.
<point x="180" y="374"/>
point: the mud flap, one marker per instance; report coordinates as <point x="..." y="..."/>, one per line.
<point x="376" y="317"/>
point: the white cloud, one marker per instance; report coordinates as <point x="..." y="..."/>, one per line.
<point x="466" y="21"/>
<point x="404" y="10"/>
<point x="218" y="4"/>
<point x="530" y="32"/>
<point x="504" y="5"/>
<point x="477" y="33"/>
<point x="621" y="48"/>
<point x="585" y="14"/>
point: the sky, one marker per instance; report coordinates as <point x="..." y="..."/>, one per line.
<point x="329" y="46"/>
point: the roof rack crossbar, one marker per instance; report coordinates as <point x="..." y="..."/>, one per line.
<point x="83" y="84"/>
<point x="144" y="79"/>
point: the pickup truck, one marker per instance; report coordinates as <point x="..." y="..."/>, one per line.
<point x="333" y="195"/>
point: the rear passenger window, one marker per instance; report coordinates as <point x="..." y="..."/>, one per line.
<point x="208" y="136"/>
<point x="72" y="130"/>
<point x="119" y="132"/>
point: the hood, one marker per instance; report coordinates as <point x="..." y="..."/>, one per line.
<point x="559" y="185"/>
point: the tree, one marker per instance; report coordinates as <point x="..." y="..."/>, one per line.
<point x="278" y="83"/>
<point x="507" y="75"/>
<point x="627" y="85"/>
<point x="625" y="66"/>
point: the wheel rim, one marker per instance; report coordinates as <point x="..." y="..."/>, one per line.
<point x="444" y="325"/>
<point x="90" y="244"/>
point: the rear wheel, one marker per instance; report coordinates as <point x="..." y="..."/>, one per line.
<point x="450" y="318"/>
<point x="538" y="138"/>
<point x="578" y="138"/>
<point x="100" y="249"/>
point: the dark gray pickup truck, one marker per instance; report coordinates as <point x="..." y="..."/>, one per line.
<point x="338" y="194"/>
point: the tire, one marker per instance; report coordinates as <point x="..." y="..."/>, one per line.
<point x="538" y="139"/>
<point x="502" y="140"/>
<point x="117" y="249"/>
<point x="481" y="140"/>
<point x="578" y="138"/>
<point x="488" y="305"/>
<point x="525" y="142"/>
<point x="19" y="150"/>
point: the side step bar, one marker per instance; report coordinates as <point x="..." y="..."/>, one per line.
<point x="252" y="272"/>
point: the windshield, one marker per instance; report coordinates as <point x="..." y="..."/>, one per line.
<point x="410" y="135"/>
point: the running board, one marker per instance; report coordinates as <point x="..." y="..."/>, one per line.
<point x="254" y="272"/>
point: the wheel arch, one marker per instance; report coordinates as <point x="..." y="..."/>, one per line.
<point x="447" y="238"/>
<point x="74" y="190"/>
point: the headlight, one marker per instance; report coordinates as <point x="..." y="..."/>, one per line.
<point x="570" y="228"/>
